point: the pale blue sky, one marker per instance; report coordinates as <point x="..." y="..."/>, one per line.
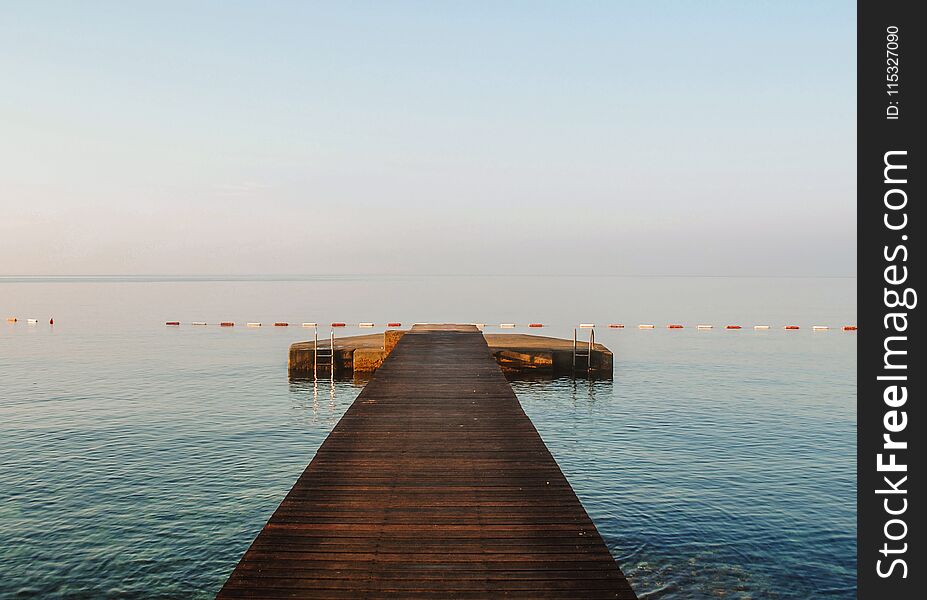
<point x="428" y="137"/>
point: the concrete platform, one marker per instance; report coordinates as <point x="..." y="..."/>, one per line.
<point x="517" y="354"/>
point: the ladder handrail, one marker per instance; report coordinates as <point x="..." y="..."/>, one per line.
<point x="591" y="344"/>
<point x="579" y="353"/>
<point x="328" y="353"/>
<point x="574" y="348"/>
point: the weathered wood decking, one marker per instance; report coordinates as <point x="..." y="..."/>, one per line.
<point x="434" y="484"/>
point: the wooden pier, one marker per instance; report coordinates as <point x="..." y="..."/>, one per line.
<point x="434" y="484"/>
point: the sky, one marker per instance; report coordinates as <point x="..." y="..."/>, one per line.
<point x="236" y="138"/>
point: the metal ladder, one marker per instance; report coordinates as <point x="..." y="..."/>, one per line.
<point x="578" y="353"/>
<point x="326" y="354"/>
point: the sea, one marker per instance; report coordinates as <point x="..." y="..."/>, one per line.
<point x="139" y="460"/>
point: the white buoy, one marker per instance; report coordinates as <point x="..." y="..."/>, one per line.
<point x="310" y="324"/>
<point x="507" y="325"/>
<point x="200" y="323"/>
<point x="253" y="324"/>
<point x="819" y="328"/>
<point x="586" y="325"/>
<point x="761" y="326"/>
<point x="32" y="321"/>
<point x="704" y="326"/>
<point x="646" y="326"/>
<point x="365" y="325"/>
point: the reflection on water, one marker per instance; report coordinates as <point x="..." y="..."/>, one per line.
<point x="319" y="397"/>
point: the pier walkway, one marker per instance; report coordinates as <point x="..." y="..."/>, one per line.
<point x="434" y="484"/>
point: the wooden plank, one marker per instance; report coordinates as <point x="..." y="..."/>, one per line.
<point x="434" y="484"/>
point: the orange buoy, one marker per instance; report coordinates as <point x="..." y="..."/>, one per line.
<point x="849" y="327"/>
<point x="616" y="325"/>
<point x="732" y="327"/>
<point x="674" y="326"/>
<point x="535" y="325"/>
<point x="226" y="324"/>
<point x="792" y="327"/>
<point x="394" y="324"/>
<point x="11" y="319"/>
<point x="337" y="324"/>
<point x="281" y="324"/>
<point x="172" y="323"/>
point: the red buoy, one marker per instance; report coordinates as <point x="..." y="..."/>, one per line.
<point x="394" y="324"/>
<point x="337" y="324"/>
<point x="226" y="324"/>
<point x="849" y="327"/>
<point x="791" y="327"/>
<point x="616" y="325"/>
<point x="535" y="325"/>
<point x="674" y="326"/>
<point x="51" y="321"/>
<point x="732" y="327"/>
<point x="172" y="323"/>
<point x="281" y="324"/>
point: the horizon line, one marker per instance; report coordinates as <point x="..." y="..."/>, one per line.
<point x="283" y="276"/>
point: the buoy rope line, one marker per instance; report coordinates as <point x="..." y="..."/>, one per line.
<point x="395" y="324"/>
<point x="643" y="326"/>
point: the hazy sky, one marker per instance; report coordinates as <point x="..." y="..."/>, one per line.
<point x="427" y="137"/>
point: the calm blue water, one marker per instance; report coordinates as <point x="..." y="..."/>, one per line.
<point x="138" y="460"/>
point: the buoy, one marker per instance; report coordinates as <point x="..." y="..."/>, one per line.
<point x="791" y="327"/>
<point x="310" y="324"/>
<point x="365" y="325"/>
<point x="849" y="327"/>
<point x="337" y="324"/>
<point x="761" y="326"/>
<point x="32" y="321"/>
<point x="199" y="323"/>
<point x="535" y="325"/>
<point x="172" y="323"/>
<point x="704" y="326"/>
<point x="732" y="327"/>
<point x="507" y="325"/>
<point x="819" y="328"/>
<point x="674" y="326"/>
<point x="51" y="321"/>
<point x="586" y="325"/>
<point x="253" y="324"/>
<point x="394" y="324"/>
<point x="11" y="319"/>
<point x="645" y="326"/>
<point x="226" y="324"/>
<point x="616" y="325"/>
<point x="281" y="324"/>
